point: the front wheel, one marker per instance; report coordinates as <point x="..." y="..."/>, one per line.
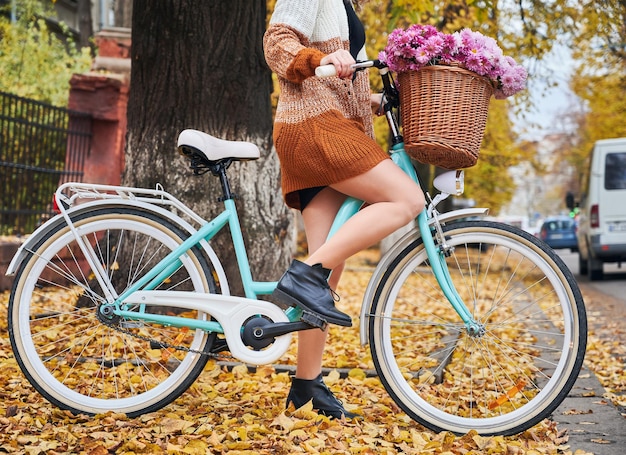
<point x="502" y="380"/>
<point x="82" y="361"/>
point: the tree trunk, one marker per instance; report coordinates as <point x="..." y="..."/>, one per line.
<point x="84" y="24"/>
<point x="123" y="13"/>
<point x="200" y="65"/>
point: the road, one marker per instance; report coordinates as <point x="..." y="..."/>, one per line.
<point x="614" y="283"/>
<point x="594" y="424"/>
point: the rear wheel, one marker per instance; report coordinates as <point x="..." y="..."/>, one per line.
<point x="82" y="361"/>
<point x="500" y="381"/>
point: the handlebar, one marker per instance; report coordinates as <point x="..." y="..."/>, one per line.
<point x="329" y="70"/>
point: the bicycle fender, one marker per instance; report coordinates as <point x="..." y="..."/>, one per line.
<point x="410" y="236"/>
<point x="57" y="220"/>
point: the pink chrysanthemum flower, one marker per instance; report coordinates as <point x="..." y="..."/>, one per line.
<point x="422" y="45"/>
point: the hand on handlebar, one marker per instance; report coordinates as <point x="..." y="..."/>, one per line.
<point x="342" y="61"/>
<point x="329" y="70"/>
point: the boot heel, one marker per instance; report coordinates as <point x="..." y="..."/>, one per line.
<point x="283" y="300"/>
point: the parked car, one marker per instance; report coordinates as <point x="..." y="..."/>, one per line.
<point x="559" y="232"/>
<point x="602" y="226"/>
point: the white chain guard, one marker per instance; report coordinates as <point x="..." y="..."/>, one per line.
<point x="231" y="312"/>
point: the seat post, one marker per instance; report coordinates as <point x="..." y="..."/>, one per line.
<point x="219" y="170"/>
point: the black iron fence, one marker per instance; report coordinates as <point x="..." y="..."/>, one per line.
<point x="41" y="146"/>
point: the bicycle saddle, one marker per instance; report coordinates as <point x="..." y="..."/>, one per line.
<point x="214" y="149"/>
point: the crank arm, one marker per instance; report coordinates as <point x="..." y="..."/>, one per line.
<point x="281" y="328"/>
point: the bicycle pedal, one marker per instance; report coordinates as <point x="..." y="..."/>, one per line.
<point x="313" y="320"/>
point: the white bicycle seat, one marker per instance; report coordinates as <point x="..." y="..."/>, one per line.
<point x="215" y="149"/>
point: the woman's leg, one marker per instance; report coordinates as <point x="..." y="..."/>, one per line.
<point x="393" y="198"/>
<point x="318" y="217"/>
<point x="308" y="383"/>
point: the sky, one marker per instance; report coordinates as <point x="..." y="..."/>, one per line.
<point x="547" y="117"/>
<point x="550" y="102"/>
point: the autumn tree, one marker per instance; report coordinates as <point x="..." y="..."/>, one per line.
<point x="35" y="62"/>
<point x="200" y="65"/>
<point x="599" y="47"/>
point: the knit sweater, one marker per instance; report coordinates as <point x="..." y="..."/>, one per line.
<point x="323" y="127"/>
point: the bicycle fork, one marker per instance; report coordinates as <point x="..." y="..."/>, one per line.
<point x="436" y="252"/>
<point x="436" y="256"/>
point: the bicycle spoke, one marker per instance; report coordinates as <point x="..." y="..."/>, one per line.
<point x="437" y="370"/>
<point x="77" y="357"/>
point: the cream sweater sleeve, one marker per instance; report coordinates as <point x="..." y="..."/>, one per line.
<point x="299" y="35"/>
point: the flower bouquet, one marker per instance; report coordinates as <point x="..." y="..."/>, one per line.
<point x="445" y="83"/>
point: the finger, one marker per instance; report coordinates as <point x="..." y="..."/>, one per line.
<point x="344" y="62"/>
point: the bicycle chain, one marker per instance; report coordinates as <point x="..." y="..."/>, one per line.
<point x="166" y="345"/>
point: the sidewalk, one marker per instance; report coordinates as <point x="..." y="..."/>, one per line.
<point x="593" y="423"/>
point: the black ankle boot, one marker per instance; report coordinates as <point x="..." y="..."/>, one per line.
<point x="307" y="287"/>
<point x="324" y="402"/>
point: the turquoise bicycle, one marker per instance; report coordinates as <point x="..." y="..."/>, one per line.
<point x="119" y="301"/>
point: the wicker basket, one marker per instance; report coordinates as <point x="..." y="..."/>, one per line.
<point x="444" y="113"/>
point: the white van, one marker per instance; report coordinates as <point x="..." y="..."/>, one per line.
<point x="602" y="218"/>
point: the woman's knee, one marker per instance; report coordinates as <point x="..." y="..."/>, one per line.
<point x="412" y="203"/>
<point x="409" y="194"/>
<point x="417" y="204"/>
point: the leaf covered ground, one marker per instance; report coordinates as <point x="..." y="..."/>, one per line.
<point x="236" y="410"/>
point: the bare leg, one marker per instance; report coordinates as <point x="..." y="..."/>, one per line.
<point x="394" y="200"/>
<point x="318" y="217"/>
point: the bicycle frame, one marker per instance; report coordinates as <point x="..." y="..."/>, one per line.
<point x="133" y="302"/>
<point x="254" y="288"/>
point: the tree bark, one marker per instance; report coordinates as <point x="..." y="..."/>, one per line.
<point x="200" y="65"/>
<point x="123" y="13"/>
<point x="84" y="20"/>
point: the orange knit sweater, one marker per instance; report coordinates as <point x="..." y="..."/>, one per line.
<point x="323" y="127"/>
